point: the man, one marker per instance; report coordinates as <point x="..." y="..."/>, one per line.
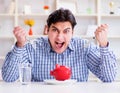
<point x="61" y="48"/>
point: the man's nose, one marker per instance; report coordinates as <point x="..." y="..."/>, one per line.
<point x="60" y="36"/>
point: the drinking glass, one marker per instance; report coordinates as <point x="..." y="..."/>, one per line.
<point x="25" y="73"/>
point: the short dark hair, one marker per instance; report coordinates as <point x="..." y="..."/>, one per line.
<point x="61" y="15"/>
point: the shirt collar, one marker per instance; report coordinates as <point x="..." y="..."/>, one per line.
<point x="71" y="45"/>
<point x="48" y="46"/>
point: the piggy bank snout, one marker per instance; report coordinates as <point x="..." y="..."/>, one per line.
<point x="52" y="73"/>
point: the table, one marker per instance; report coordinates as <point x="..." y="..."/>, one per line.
<point x="38" y="87"/>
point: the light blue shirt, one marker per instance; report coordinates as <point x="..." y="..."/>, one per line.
<point x="81" y="56"/>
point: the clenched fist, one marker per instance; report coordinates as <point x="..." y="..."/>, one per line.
<point x="101" y="35"/>
<point x="20" y="35"/>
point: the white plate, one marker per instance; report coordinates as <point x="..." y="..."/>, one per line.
<point x="56" y="82"/>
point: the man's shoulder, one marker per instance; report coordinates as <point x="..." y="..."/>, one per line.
<point x="41" y="41"/>
<point x="78" y="40"/>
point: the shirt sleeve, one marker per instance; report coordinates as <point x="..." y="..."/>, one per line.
<point x="102" y="62"/>
<point x="10" y="66"/>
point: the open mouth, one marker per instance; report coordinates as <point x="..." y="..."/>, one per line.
<point x="59" y="44"/>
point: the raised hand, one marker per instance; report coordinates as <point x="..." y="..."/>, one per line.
<point x="20" y="35"/>
<point x="101" y="35"/>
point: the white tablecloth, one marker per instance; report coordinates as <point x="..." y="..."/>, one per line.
<point x="88" y="87"/>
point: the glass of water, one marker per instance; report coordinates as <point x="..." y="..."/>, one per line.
<point x="25" y="73"/>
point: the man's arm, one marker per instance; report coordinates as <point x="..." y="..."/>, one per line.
<point x="10" y="67"/>
<point x="102" y="63"/>
<point x="15" y="56"/>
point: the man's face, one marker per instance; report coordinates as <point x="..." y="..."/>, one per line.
<point x="59" y="35"/>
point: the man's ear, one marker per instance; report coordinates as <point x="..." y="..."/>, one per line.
<point x="45" y="32"/>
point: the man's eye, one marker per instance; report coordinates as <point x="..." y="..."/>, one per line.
<point x="54" y="30"/>
<point x="66" y="31"/>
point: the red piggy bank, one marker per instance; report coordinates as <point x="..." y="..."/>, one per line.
<point x="61" y="73"/>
